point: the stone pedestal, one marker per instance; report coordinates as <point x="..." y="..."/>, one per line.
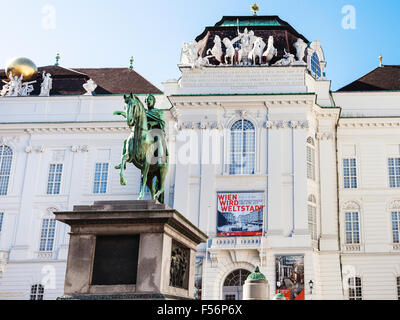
<point x="130" y="250"/>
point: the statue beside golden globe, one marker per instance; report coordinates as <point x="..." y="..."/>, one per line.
<point x="21" y="65"/>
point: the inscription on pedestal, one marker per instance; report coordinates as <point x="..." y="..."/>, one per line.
<point x="115" y="260"/>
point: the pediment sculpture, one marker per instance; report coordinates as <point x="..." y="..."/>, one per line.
<point x="246" y="49"/>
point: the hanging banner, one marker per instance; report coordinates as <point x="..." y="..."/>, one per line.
<point x="290" y="276"/>
<point x="240" y="213"/>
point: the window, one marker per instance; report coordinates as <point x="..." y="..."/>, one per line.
<point x="396" y="226"/>
<point x="352" y="228"/>
<point x="312" y="217"/>
<point x="37" y="292"/>
<point x="54" y="181"/>
<point x="5" y="168"/>
<point x="398" y="288"/>
<point x="100" y="178"/>
<point x="1" y="220"/>
<point x="355" y="289"/>
<point x="315" y="67"/>
<point x="350" y="173"/>
<point x="47" y="234"/>
<point x="242" y="148"/>
<point x="394" y="172"/>
<point x="310" y="159"/>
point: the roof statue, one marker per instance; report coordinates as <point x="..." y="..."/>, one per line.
<point x="46" y="84"/>
<point x="216" y="50"/>
<point x="146" y="146"/>
<point x="257" y="51"/>
<point x="288" y="59"/>
<point x="300" y="46"/>
<point x="271" y="50"/>
<point x="89" y="86"/>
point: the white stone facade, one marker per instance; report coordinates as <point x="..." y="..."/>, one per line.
<point x="290" y="111"/>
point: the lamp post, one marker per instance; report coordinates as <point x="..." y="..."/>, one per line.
<point x="311" y="285"/>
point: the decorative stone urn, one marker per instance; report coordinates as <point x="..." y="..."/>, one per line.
<point x="256" y="286"/>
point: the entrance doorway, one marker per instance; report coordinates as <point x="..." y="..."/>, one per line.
<point x="233" y="285"/>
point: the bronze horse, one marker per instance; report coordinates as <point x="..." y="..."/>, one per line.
<point x="145" y="147"/>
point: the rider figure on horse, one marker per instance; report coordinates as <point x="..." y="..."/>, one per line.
<point x="156" y="120"/>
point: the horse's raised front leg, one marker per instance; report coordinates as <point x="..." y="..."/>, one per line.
<point x="122" y="165"/>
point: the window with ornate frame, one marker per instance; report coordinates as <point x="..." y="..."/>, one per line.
<point x="6" y="155"/>
<point x="242" y="148"/>
<point x="47" y="234"/>
<point x="312" y="217"/>
<point x="37" y="292"/>
<point x="310" y="158"/>
<point x="355" y="288"/>
<point x="54" y="178"/>
<point x="394" y="172"/>
<point x="352" y="227"/>
<point x="349" y="173"/>
<point x="396" y="226"/>
<point x="100" y="178"/>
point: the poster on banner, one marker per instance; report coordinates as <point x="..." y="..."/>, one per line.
<point x="240" y="213"/>
<point x="290" y="276"/>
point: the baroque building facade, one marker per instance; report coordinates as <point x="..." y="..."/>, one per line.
<point x="278" y="170"/>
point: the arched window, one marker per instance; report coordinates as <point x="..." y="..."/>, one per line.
<point x="5" y="168"/>
<point x="233" y="284"/>
<point x="242" y="148"/>
<point x="310" y="158"/>
<point x="312" y="217"/>
<point x="315" y="67"/>
<point x="355" y="288"/>
<point x="37" y="292"/>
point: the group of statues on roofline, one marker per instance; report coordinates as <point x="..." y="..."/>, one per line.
<point x="245" y="49"/>
<point x="15" y="87"/>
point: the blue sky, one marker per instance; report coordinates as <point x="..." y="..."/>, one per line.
<point x="89" y="33"/>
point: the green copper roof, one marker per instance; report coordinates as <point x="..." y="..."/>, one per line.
<point x="256" y="275"/>
<point x="262" y="21"/>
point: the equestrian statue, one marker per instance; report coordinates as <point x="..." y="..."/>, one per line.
<point x="146" y="145"/>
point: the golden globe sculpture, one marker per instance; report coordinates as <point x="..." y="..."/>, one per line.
<point x="21" y="65"/>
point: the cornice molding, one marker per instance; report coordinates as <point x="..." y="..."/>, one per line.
<point x="78" y="130"/>
<point x="369" y="124"/>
